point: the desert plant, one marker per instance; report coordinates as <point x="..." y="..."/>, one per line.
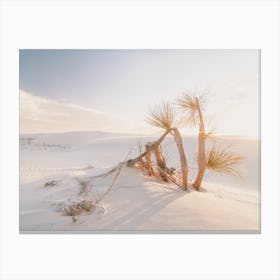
<point x="192" y="105"/>
<point x="149" y="149"/>
<point x="149" y="164"/>
<point x="223" y="160"/>
<point x="183" y="159"/>
<point x="163" y="116"/>
<point x="161" y="163"/>
<point x="75" y="206"/>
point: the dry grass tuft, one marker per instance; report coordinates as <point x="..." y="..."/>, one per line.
<point x="163" y="116"/>
<point x="223" y="160"/>
<point x="75" y="206"/>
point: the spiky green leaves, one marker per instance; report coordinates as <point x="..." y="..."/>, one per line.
<point x="223" y="160"/>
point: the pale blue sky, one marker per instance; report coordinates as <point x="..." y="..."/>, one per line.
<point x="126" y="83"/>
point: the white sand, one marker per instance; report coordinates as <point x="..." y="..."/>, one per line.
<point x="136" y="202"/>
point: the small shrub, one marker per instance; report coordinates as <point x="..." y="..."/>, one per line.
<point x="75" y="206"/>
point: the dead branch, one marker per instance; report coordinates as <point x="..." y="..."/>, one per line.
<point x="131" y="162"/>
<point x="121" y="165"/>
<point x="171" y="179"/>
<point x="148" y="163"/>
<point x="161" y="164"/>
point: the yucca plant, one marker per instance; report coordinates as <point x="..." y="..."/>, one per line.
<point x="192" y="106"/>
<point x="148" y="157"/>
<point x="189" y="103"/>
<point x="184" y="164"/>
<point x="164" y="117"/>
<point x="223" y="161"/>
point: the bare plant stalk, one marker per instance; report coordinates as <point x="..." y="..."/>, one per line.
<point x="120" y="167"/>
<point x="171" y="179"/>
<point x="106" y="173"/>
<point x="131" y="162"/>
<point x="201" y="159"/>
<point x="148" y="158"/>
<point x="183" y="160"/>
<point x="113" y="182"/>
<point x="161" y="163"/>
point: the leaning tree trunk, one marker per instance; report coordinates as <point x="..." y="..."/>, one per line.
<point x="161" y="163"/>
<point x="183" y="160"/>
<point x="201" y="159"/>
<point x="131" y="162"/>
<point x="148" y="158"/>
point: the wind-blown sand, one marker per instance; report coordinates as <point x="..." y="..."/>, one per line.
<point x="136" y="202"/>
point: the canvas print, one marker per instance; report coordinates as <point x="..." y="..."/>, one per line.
<point x="139" y="141"/>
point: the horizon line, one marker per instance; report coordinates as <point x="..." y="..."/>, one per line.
<point x="138" y="134"/>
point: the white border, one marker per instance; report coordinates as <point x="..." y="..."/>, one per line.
<point x="156" y="24"/>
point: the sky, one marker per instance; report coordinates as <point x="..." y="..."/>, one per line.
<point x="113" y="90"/>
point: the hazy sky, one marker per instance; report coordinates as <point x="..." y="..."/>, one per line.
<point x="112" y="90"/>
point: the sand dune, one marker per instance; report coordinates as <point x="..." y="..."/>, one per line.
<point x="136" y="202"/>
